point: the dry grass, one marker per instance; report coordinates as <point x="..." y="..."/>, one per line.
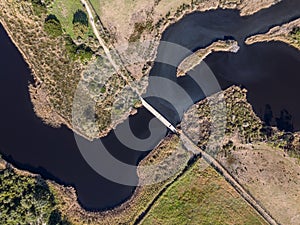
<point x="271" y="176"/>
<point x="201" y="197"/>
<point x="120" y="17"/>
<point x="53" y="71"/>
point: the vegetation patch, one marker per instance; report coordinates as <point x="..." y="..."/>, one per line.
<point x="139" y="28"/>
<point x="209" y="114"/>
<point x="82" y="52"/>
<point x="295" y="34"/>
<point x="201" y="197"/>
<point x="72" y="16"/>
<point x="52" y="26"/>
<point x="80" y="24"/>
<point x="26" y="199"/>
<point x="39" y="6"/>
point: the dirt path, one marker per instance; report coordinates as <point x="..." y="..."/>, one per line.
<point x="229" y="178"/>
<point x="101" y="41"/>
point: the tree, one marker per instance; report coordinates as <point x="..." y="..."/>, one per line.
<point x="75" y="52"/>
<point x="268" y="116"/>
<point x="80" y="17"/>
<point x="284" y="122"/>
<point x="25" y="199"/>
<point x="80" y="23"/>
<point x="79" y="30"/>
<point x="52" y="26"/>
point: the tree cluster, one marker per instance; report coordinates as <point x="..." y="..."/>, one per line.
<point x="26" y="200"/>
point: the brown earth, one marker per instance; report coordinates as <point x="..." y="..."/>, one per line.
<point x="271" y="176"/>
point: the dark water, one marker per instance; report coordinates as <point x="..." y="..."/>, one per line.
<point x="269" y="71"/>
<point x="29" y="144"/>
<point x="200" y="29"/>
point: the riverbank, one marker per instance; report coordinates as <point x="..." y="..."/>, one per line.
<point x="279" y="33"/>
<point x="57" y="64"/>
<point x="242" y="125"/>
<point x="44" y="56"/>
<point x="129" y="211"/>
<point x="74" y="198"/>
<point x="56" y="76"/>
<point x="144" y="196"/>
<point x="38" y="95"/>
<point x="154" y="17"/>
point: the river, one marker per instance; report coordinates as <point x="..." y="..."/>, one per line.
<point x="268" y="70"/>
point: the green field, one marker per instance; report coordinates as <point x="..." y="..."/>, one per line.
<point x="201" y="197"/>
<point x="64" y="10"/>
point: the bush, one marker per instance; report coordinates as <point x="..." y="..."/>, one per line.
<point x="80" y="23"/>
<point x="79" y="30"/>
<point x="80" y="17"/>
<point x="52" y="26"/>
<point x="295" y="34"/>
<point x="38" y="7"/>
<point x="75" y="52"/>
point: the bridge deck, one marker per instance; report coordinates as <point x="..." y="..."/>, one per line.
<point x="158" y="116"/>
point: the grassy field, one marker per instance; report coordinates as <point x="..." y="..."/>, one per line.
<point x="201" y="197"/>
<point x="64" y="10"/>
<point x="271" y="176"/>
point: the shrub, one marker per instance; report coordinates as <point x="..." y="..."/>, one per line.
<point x="40" y="6"/>
<point x="75" y="52"/>
<point x="79" y="30"/>
<point x="52" y="26"/>
<point x="80" y="23"/>
<point x="295" y="34"/>
<point x="80" y="17"/>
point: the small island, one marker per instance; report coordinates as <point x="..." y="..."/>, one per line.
<point x="90" y="64"/>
